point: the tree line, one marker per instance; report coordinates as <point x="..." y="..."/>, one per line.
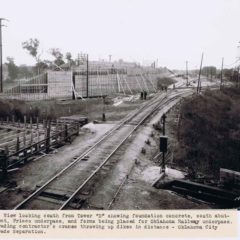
<point x="32" y="47"/>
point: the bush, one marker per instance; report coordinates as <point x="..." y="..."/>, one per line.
<point x="164" y="82"/>
<point x="210" y="130"/>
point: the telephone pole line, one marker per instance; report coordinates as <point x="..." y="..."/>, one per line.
<point x="1" y="65"/>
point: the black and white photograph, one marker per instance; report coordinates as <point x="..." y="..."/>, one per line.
<point x="119" y="105"/>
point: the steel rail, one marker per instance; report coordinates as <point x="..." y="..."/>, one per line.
<point x="128" y="118"/>
<point x="70" y="199"/>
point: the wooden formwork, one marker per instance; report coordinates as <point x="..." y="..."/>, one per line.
<point x="20" y="143"/>
<point x="96" y="82"/>
<point x="59" y="84"/>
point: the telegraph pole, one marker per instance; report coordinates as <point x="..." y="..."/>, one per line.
<point x="187" y="72"/>
<point x="199" y="76"/>
<point x="238" y="67"/>
<point x="87" y="77"/>
<point x="221" y="74"/>
<point x="1" y="66"/>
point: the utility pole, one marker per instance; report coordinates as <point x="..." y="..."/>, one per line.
<point x="110" y="58"/>
<point x="1" y="65"/>
<point x="187" y="72"/>
<point x="238" y="67"/>
<point x="221" y="74"/>
<point x="87" y="78"/>
<point x="199" y="77"/>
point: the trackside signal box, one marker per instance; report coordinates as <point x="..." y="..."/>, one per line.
<point x="163" y="143"/>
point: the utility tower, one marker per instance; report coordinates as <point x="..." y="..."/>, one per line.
<point x="1" y="65"/>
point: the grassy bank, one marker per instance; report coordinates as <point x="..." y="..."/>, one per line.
<point x="52" y="109"/>
<point x="209" y="132"/>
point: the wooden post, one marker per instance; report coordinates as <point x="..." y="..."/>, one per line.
<point x="4" y="161"/>
<point x="48" y="140"/>
<point x="44" y="123"/>
<point x="31" y="138"/>
<point x="73" y="86"/>
<point x="17" y="144"/>
<point x="57" y="126"/>
<point x="50" y="125"/>
<point x="65" y="132"/>
<point x="38" y="139"/>
<point x="31" y="122"/>
<point x="37" y="121"/>
<point x="24" y="138"/>
<point x="25" y="121"/>
<point x="62" y="133"/>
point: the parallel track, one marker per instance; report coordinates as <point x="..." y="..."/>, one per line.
<point x="80" y="172"/>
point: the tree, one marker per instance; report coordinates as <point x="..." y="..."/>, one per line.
<point x="25" y="71"/>
<point x="12" y="69"/>
<point x="70" y="61"/>
<point x="32" y="46"/>
<point x="43" y="65"/>
<point x="68" y="57"/>
<point x="56" y="53"/>
<point x="209" y="71"/>
<point x="227" y="73"/>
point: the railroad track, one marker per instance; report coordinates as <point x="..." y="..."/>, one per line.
<point x="62" y="190"/>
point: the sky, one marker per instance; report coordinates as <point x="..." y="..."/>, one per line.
<point x="167" y="31"/>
